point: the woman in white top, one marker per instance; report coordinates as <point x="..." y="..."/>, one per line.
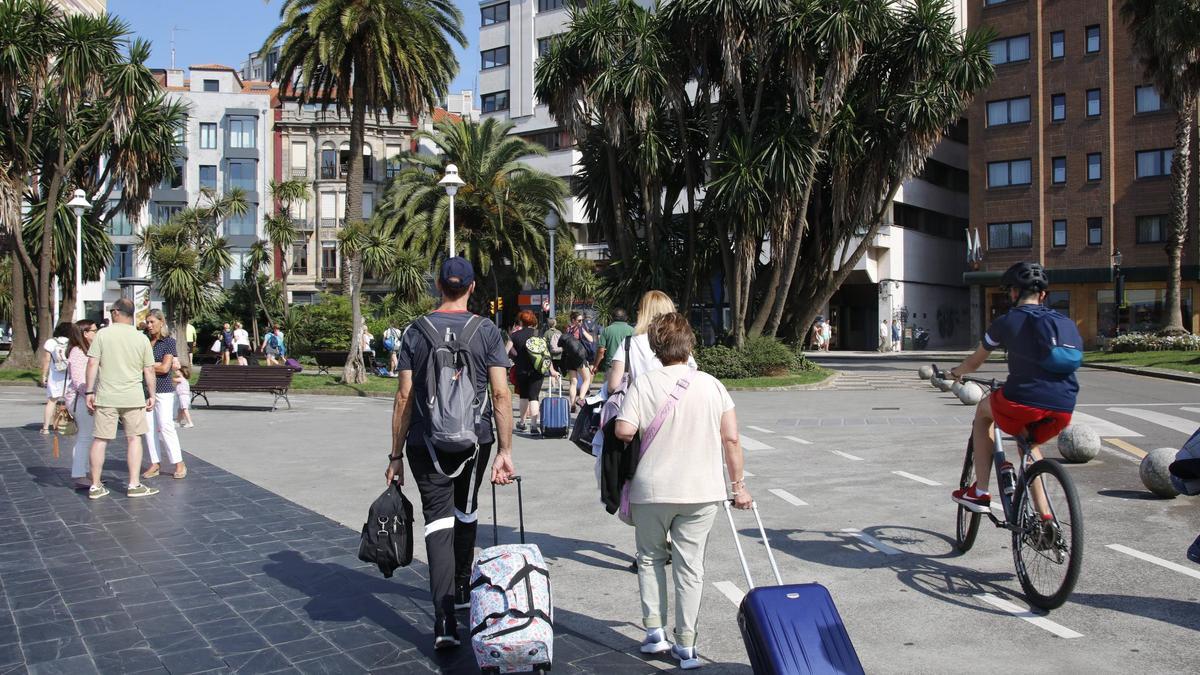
<point x="679" y="482"/>
<point x="241" y="343"/>
<point x="54" y="370"/>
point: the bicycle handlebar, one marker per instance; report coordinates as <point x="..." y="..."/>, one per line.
<point x="990" y="383"/>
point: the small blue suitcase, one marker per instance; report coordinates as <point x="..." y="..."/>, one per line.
<point x="555" y="414"/>
<point x="793" y="629"/>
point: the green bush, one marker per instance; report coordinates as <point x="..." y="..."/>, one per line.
<point x="325" y="324"/>
<point x="1151" y="342"/>
<point x="766" y="356"/>
<point x="722" y="362"/>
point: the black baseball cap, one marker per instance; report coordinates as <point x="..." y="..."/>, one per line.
<point x="457" y="274"/>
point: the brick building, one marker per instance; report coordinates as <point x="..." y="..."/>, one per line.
<point x="1070" y="163"/>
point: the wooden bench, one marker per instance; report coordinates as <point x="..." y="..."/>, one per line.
<point x="327" y="358"/>
<point x="275" y="380"/>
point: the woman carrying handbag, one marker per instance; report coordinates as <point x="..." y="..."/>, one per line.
<point x="79" y="340"/>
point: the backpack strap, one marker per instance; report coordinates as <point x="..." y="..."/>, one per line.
<point x="681" y="387"/>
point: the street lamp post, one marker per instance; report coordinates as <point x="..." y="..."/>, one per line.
<point x="1118" y="292"/>
<point x="552" y="228"/>
<point x="451" y="182"/>
<point x="78" y="205"/>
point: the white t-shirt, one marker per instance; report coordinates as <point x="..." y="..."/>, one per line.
<point x="58" y="367"/>
<point x="683" y="465"/>
<point x="241" y="337"/>
<point x="641" y="358"/>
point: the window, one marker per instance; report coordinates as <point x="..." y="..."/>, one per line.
<point x="175" y="179"/>
<point x="244" y="224"/>
<point x="118" y="224"/>
<point x="1058" y="45"/>
<point x="1060" y="233"/>
<point x="1012" y="172"/>
<point x="548" y="5"/>
<point x="495" y="102"/>
<point x="992" y="3"/>
<point x="208" y="135"/>
<point x="1146" y="309"/>
<point x="329" y="257"/>
<point x="393" y="165"/>
<point x="208" y="176"/>
<point x="329" y="162"/>
<point x="181" y="136"/>
<point x="1148" y="99"/>
<point x="241" y="132"/>
<point x="212" y="85"/>
<point x="1093" y="102"/>
<point x="494" y="58"/>
<point x="1058" y="107"/>
<point x="298" y="210"/>
<point x="328" y="209"/>
<point x="1059" y="301"/>
<point x="240" y="174"/>
<point x="493" y="14"/>
<point x="1009" y="50"/>
<point x="1058" y="170"/>
<point x="1095" y="227"/>
<point x="299" y="159"/>
<point x="1093" y="166"/>
<point x="1152" y="163"/>
<point x="543" y="46"/>
<point x="368" y="204"/>
<point x="1151" y="229"/>
<point x="1008" y="111"/>
<point x="122" y="262"/>
<point x="300" y="257"/>
<point x="368" y="163"/>
<point x="165" y="211"/>
<point x="551" y="139"/>
<point x="238" y="267"/>
<point x="1093" y="40"/>
<point x="1010" y="235"/>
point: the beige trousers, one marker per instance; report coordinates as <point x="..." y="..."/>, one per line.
<point x="688" y="526"/>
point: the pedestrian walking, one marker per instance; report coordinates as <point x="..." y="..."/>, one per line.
<point x="54" y="370"/>
<point x="552" y="336"/>
<point x="120" y="364"/>
<point x="817" y="335"/>
<point x="897" y="335"/>
<point x="189" y="335"/>
<point x="272" y="346"/>
<point x="241" y="343"/>
<point x="183" y="395"/>
<point x="391" y="344"/>
<point x="160" y="422"/>
<point x="826" y="335"/>
<point x="611" y="339"/>
<point x="448" y="474"/>
<point x="687" y="422"/>
<point x="885" y="336"/>
<point x="80" y="340"/>
<point x="531" y="362"/>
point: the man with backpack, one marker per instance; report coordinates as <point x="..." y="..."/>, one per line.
<point x="391" y="343"/>
<point x="552" y="337"/>
<point x="1044" y="350"/>
<point x="442" y="420"/>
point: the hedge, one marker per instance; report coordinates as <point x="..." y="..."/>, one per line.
<point x="1152" y="342"/>
<point x="761" y="357"/>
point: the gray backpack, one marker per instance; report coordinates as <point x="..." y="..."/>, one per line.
<point x="455" y="408"/>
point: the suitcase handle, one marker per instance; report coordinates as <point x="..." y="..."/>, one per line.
<point x="520" y="513"/>
<point x="737" y="542"/>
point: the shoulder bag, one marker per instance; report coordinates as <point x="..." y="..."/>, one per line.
<point x="648" y="436"/>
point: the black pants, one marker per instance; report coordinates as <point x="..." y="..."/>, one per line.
<point x="449" y="506"/>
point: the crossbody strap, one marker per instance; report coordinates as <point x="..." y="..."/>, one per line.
<point x="681" y="387"/>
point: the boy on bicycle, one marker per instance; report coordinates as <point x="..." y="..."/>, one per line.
<point x="1039" y="395"/>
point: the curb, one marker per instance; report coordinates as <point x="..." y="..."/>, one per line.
<point x="823" y="384"/>
<point x="1160" y="373"/>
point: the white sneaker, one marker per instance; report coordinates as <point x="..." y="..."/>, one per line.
<point x="655" y="642"/>
<point x="686" y="656"/>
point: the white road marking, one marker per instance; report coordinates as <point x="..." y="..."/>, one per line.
<point x="1157" y="561"/>
<point x="731" y="591"/>
<point x="1104" y="427"/>
<point x="853" y="458"/>
<point x="759" y="429"/>
<point x="1180" y="424"/>
<point x="919" y="479"/>
<point x="332" y="409"/>
<point x="1022" y="613"/>
<point x="801" y="441"/>
<point x="872" y="541"/>
<point x="788" y="497"/>
<point x="751" y="444"/>
<point x="1190" y="409"/>
<point x="747" y="474"/>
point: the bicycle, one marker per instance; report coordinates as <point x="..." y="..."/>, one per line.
<point x="1050" y="548"/>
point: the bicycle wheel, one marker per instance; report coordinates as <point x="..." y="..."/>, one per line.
<point x="967" y="524"/>
<point x="1048" y="553"/>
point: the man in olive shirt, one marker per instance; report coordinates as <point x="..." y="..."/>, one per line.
<point x="124" y="361"/>
<point x="611" y="339"/>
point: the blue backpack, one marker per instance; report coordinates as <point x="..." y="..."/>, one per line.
<point x="1060" y="346"/>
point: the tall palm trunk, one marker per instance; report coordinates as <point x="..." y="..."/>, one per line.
<point x="21" y="354"/>
<point x="45" y="258"/>
<point x="355" y="372"/>
<point x="1181" y="177"/>
<point x="620" y="230"/>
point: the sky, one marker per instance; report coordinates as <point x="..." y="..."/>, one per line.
<point x="225" y="31"/>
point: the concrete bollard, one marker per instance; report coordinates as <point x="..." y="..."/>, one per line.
<point x="1154" y="473"/>
<point x="1078" y="443"/>
<point x="925" y="372"/>
<point x="956" y="388"/>
<point x="970" y="394"/>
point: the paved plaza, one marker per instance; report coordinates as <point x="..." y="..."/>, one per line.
<point x="249" y="564"/>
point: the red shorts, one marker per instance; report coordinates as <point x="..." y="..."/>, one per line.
<point x="1015" y="419"/>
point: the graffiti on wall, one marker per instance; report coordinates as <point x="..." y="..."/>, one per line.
<point x="950" y="320"/>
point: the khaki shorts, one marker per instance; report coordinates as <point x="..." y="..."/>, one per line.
<point x="133" y="418"/>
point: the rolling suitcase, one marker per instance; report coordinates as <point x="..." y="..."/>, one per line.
<point x="555" y="413"/>
<point x="794" y="628"/>
<point x="512" y="614"/>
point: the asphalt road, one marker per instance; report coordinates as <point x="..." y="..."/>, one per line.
<point x="825" y="474"/>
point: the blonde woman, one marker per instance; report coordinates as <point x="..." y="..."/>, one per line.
<point x="641" y="358"/>
<point x="160" y="422"/>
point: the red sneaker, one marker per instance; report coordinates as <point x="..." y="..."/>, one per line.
<point x="973" y="499"/>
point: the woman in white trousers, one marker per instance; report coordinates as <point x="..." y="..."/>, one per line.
<point x="76" y="388"/>
<point x="161" y="423"/>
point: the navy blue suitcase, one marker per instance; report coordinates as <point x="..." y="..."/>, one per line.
<point x="555" y="414"/>
<point x="793" y="629"/>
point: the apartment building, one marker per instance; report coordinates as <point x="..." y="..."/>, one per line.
<point x="1070" y="164"/>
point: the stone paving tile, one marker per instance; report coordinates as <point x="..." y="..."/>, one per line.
<point x="194" y="580"/>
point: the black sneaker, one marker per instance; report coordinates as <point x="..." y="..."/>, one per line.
<point x="1194" y="551"/>
<point x="445" y="635"/>
<point x="462" y="594"/>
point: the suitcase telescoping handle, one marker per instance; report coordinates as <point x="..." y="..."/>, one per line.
<point x="742" y="554"/>
<point x="520" y="513"/>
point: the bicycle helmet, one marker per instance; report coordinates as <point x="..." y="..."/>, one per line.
<point x="1026" y="276"/>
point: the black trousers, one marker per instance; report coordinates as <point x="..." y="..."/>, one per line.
<point x="450" y="507"/>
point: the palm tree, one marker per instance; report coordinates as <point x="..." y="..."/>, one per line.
<point x="1166" y="40"/>
<point x="499" y="213"/>
<point x="366" y="55"/>
<point x="281" y="229"/>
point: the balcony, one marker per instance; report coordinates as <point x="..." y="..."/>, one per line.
<point x="328" y="173"/>
<point x="329" y="273"/>
<point x="302" y="224"/>
<point x="299" y="172"/>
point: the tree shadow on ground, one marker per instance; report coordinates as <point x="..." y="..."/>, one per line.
<point x="1136" y="495"/>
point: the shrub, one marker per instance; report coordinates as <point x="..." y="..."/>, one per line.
<point x="325" y="324"/>
<point x="1151" y="342"/>
<point x="766" y="356"/>
<point x="722" y="362"/>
